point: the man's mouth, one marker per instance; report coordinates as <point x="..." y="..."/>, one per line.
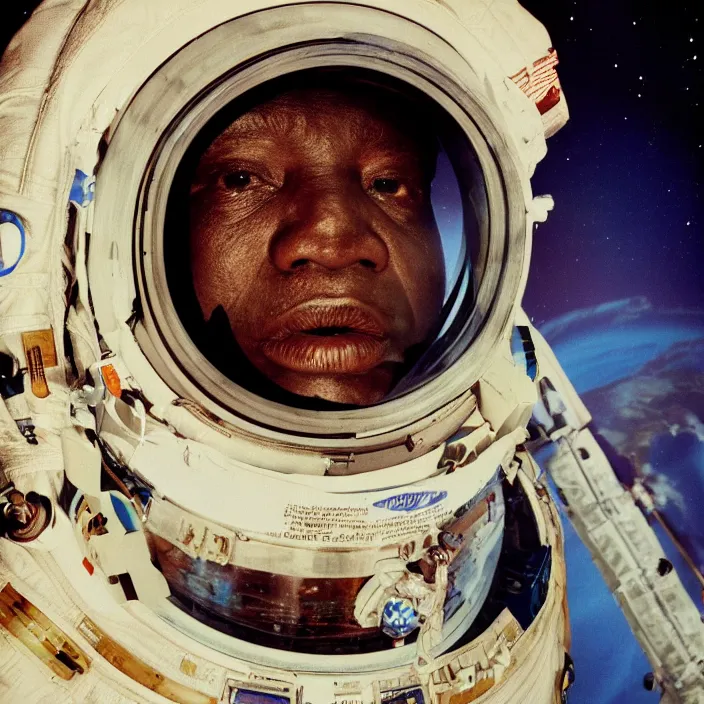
<point x="329" y="336"/>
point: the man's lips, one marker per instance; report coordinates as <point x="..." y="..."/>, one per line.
<point x="329" y="336"/>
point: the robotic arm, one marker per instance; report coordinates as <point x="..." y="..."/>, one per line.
<point x="611" y="521"/>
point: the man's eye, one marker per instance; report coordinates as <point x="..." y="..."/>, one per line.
<point x="386" y="185"/>
<point x="237" y="180"/>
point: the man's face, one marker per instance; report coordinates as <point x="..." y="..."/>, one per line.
<point x="311" y="226"/>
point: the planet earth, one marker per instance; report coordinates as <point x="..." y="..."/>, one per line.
<point x="640" y="372"/>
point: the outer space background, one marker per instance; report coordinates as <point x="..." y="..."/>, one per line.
<point x="617" y="280"/>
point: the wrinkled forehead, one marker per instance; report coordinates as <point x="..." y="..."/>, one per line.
<point x="355" y="117"/>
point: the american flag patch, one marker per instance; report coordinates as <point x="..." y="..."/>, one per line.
<point x="540" y="82"/>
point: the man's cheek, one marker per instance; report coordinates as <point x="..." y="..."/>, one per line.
<point x="425" y="295"/>
<point x="211" y="278"/>
<point x="238" y="286"/>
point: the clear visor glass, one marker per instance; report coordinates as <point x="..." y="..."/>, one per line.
<point x="267" y="216"/>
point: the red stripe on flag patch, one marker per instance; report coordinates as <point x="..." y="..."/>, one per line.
<point x="540" y="82"/>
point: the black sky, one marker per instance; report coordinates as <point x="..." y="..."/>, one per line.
<point x="626" y="171"/>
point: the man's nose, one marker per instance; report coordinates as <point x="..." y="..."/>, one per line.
<point x="329" y="227"/>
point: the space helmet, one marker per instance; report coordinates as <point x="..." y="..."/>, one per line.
<point x="271" y="526"/>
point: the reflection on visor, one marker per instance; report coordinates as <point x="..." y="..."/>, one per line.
<point x="447" y="207"/>
<point x="458" y="218"/>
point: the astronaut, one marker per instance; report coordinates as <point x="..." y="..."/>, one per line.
<point x="313" y="234"/>
<point x="266" y="380"/>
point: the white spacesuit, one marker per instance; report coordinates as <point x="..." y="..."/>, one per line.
<point x="171" y="535"/>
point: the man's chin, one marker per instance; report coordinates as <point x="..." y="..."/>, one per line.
<point x="348" y="389"/>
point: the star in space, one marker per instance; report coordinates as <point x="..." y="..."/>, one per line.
<point x="628" y="163"/>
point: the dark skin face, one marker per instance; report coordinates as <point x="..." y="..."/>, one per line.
<point x="311" y="226"/>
